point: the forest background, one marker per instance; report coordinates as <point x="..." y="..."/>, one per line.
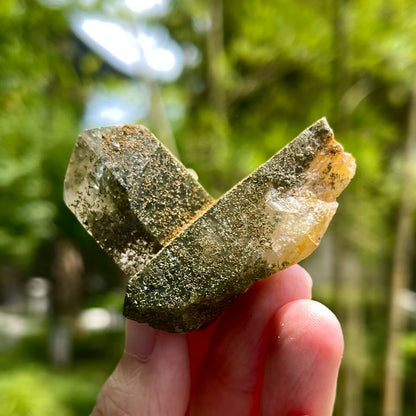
<point x="224" y="84"/>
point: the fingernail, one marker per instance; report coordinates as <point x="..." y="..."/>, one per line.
<point x="140" y="340"/>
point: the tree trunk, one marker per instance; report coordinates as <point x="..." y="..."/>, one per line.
<point x="218" y="128"/>
<point x="67" y="273"/>
<point x="354" y="329"/>
<point x="339" y="63"/>
<point x="158" y="119"/>
<point x="338" y="120"/>
<point x="215" y="58"/>
<point x="393" y="381"/>
<point x="348" y="296"/>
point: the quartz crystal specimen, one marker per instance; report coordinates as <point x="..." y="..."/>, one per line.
<point x="187" y="256"/>
<point x="270" y="220"/>
<point x="130" y="193"/>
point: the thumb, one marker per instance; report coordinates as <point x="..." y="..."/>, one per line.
<point x="152" y="377"/>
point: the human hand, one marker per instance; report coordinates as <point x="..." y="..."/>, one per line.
<point x="273" y="352"/>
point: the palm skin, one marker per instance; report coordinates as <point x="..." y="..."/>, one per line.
<point x="273" y="352"/>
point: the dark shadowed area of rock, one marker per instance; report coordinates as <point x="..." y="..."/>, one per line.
<point x="212" y="252"/>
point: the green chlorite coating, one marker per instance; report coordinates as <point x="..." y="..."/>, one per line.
<point x="187" y="256"/>
<point x="270" y="220"/>
<point x="130" y="193"/>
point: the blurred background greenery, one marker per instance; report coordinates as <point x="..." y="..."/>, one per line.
<point x="224" y="84"/>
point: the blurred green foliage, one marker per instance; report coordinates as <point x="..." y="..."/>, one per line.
<point x="41" y="100"/>
<point x="32" y="387"/>
<point x="278" y="77"/>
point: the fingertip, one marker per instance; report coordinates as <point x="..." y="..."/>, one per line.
<point x="300" y="271"/>
<point x="296" y="271"/>
<point x="313" y="326"/>
<point x="305" y="350"/>
<point x="290" y="284"/>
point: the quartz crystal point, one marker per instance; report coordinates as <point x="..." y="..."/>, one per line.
<point x="188" y="257"/>
<point x="270" y="220"/>
<point x="130" y="193"/>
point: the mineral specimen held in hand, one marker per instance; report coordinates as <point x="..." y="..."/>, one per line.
<point x="270" y="220"/>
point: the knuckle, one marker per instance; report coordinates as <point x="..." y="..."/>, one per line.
<point x="111" y="401"/>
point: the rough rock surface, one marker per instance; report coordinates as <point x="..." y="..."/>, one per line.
<point x="211" y="252"/>
<point x="130" y="193"/>
<point x="272" y="219"/>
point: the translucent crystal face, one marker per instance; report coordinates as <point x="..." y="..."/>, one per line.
<point x="305" y="211"/>
<point x="188" y="257"/>
<point x="130" y="193"/>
